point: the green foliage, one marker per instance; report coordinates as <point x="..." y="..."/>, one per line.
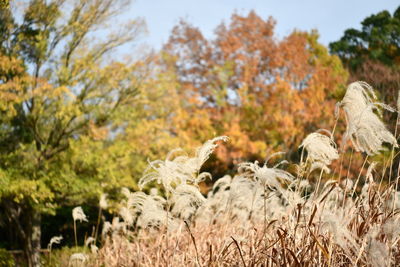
<point x="6" y="259"/>
<point x="62" y="104"/>
<point x="377" y="40"/>
<point x="55" y="123"/>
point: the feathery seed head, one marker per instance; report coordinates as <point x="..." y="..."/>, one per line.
<point x="103" y="201"/>
<point x="266" y="176"/>
<point x="186" y="200"/>
<point x="347" y="185"/>
<point x="77" y="258"/>
<point x="321" y="150"/>
<point x="54" y="240"/>
<point x="78" y="214"/>
<point x="365" y="129"/>
<point x="204" y="152"/>
<point x="153" y="191"/>
<point x="126" y="215"/>
<point x="180" y="170"/>
<point x="89" y="241"/>
<point x="106" y="228"/>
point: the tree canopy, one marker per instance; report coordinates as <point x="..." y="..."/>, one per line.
<point x="61" y="100"/>
<point x="378" y="40"/>
<point x="263" y="92"/>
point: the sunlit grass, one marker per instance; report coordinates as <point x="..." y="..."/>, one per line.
<point x="264" y="215"/>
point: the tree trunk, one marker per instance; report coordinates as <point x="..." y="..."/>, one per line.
<point x="26" y="221"/>
<point x="33" y="236"/>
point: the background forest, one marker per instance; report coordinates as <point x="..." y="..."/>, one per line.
<point x="77" y="121"/>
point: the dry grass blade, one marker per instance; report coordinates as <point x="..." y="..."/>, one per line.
<point x="194" y="243"/>
<point x="323" y="249"/>
<point x="312" y="215"/>
<point x="297" y="262"/>
<point x="240" y="251"/>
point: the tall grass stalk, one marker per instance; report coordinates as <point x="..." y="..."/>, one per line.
<point x="97" y="225"/>
<point x="359" y="175"/>
<point x="75" y="235"/>
<point x="319" y="182"/>
<point x="391" y="165"/>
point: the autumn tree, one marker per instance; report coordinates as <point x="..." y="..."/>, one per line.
<point x="159" y="119"/>
<point x="373" y="53"/>
<point x="263" y="92"/>
<point x="62" y="101"/>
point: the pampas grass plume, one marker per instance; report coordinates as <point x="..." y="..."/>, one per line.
<point x="365" y="129"/>
<point x="78" y="258"/>
<point x="103" y="202"/>
<point x="78" y="214"/>
<point x="321" y="150"/>
<point x="54" y="240"/>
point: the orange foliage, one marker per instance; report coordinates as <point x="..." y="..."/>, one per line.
<point x="265" y="93"/>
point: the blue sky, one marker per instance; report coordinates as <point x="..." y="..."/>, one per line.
<point x="331" y="18"/>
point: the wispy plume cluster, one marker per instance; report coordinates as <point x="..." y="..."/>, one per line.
<point x="54" y="240"/>
<point x="321" y="150"/>
<point x="146" y="211"/>
<point x="268" y="177"/>
<point x="181" y="169"/>
<point x="364" y="128"/>
<point x="103" y="202"/>
<point x="78" y="259"/>
<point x="185" y="201"/>
<point x="78" y="214"/>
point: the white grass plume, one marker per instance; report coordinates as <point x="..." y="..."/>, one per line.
<point x="337" y="223"/>
<point x="321" y="150"/>
<point x="242" y="195"/>
<point x="79" y="258"/>
<point x="222" y="184"/>
<point x="117" y="226"/>
<point x="106" y="228"/>
<point x="216" y="202"/>
<point x="103" y="202"/>
<point x="54" y="240"/>
<point x="391" y="228"/>
<point x="377" y="252"/>
<point x="167" y="173"/>
<point x="78" y="214"/>
<point x="89" y="241"/>
<point x="268" y="177"/>
<point x="186" y="199"/>
<point x="114" y="228"/>
<point x="203" y="153"/>
<point x="147" y="210"/>
<point x="365" y="129"/>
<point x="126" y="215"/>
<point x="180" y="170"/>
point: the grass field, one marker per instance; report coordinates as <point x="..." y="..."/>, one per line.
<point x="264" y="215"/>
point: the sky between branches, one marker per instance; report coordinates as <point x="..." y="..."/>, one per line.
<point x="330" y="17"/>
